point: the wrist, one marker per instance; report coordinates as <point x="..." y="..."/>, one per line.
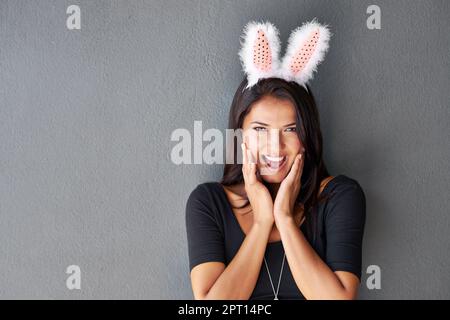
<point x="284" y="214"/>
<point x="284" y="220"/>
<point x="265" y="225"/>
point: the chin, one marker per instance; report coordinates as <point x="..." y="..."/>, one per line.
<point x="276" y="178"/>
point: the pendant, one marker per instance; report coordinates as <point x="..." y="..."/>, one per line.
<point x="275" y="298"/>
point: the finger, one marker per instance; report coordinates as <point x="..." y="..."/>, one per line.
<point x="251" y="167"/>
<point x="257" y="160"/>
<point x="244" y="161"/>
<point x="293" y="173"/>
<point x="244" y="154"/>
<point x="301" y="165"/>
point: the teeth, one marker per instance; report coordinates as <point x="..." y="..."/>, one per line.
<point x="274" y="159"/>
<point x="274" y="162"/>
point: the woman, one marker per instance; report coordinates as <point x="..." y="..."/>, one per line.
<point x="278" y="226"/>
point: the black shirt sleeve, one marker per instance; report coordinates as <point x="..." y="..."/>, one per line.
<point x="204" y="235"/>
<point x="344" y="225"/>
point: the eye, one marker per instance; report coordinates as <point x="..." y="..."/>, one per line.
<point x="259" y="128"/>
<point x="292" y="129"/>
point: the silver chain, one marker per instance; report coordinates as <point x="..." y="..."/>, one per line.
<point x="279" y="278"/>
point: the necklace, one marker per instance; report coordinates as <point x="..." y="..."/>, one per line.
<point x="279" y="278"/>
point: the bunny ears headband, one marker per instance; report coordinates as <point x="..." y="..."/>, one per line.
<point x="260" y="50"/>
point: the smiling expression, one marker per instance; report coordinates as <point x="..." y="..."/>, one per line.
<point x="270" y="134"/>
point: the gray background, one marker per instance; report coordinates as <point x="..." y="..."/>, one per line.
<point x="86" y="118"/>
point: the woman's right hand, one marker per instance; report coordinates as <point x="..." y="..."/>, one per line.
<point x="257" y="193"/>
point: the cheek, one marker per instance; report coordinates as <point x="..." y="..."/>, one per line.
<point x="256" y="140"/>
<point x="293" y="145"/>
<point x="250" y="138"/>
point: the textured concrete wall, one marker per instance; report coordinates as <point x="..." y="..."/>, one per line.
<point x="86" y="117"/>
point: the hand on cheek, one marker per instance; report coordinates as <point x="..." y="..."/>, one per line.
<point x="251" y="141"/>
<point x="258" y="195"/>
<point x="289" y="188"/>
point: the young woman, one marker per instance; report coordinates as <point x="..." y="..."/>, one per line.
<point x="277" y="226"/>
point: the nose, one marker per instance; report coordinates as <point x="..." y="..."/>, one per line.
<point x="274" y="142"/>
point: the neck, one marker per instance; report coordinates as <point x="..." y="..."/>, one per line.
<point x="273" y="189"/>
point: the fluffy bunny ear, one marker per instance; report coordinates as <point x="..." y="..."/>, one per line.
<point x="306" y="49"/>
<point x="260" y="47"/>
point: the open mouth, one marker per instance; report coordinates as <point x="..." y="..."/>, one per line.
<point x="274" y="163"/>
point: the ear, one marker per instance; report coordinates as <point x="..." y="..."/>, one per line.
<point x="260" y="47"/>
<point x="306" y="49"/>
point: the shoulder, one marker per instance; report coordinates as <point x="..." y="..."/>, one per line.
<point x="346" y="196"/>
<point x="343" y="184"/>
<point x="205" y="198"/>
<point x="204" y="191"/>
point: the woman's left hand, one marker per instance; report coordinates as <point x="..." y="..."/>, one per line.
<point x="284" y="203"/>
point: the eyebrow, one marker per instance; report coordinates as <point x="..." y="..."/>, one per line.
<point x="265" y="124"/>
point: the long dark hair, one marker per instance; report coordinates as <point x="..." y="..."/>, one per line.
<point x="308" y="131"/>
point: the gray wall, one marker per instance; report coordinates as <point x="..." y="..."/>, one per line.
<point x="86" y="117"/>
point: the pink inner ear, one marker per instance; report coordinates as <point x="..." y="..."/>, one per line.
<point x="303" y="55"/>
<point x="262" y="55"/>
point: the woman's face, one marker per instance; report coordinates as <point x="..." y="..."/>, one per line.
<point x="269" y="130"/>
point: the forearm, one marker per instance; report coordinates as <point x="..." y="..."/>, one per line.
<point x="239" y="278"/>
<point x="311" y="274"/>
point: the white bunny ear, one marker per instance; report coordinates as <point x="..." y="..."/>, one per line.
<point x="259" y="51"/>
<point x="307" y="46"/>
